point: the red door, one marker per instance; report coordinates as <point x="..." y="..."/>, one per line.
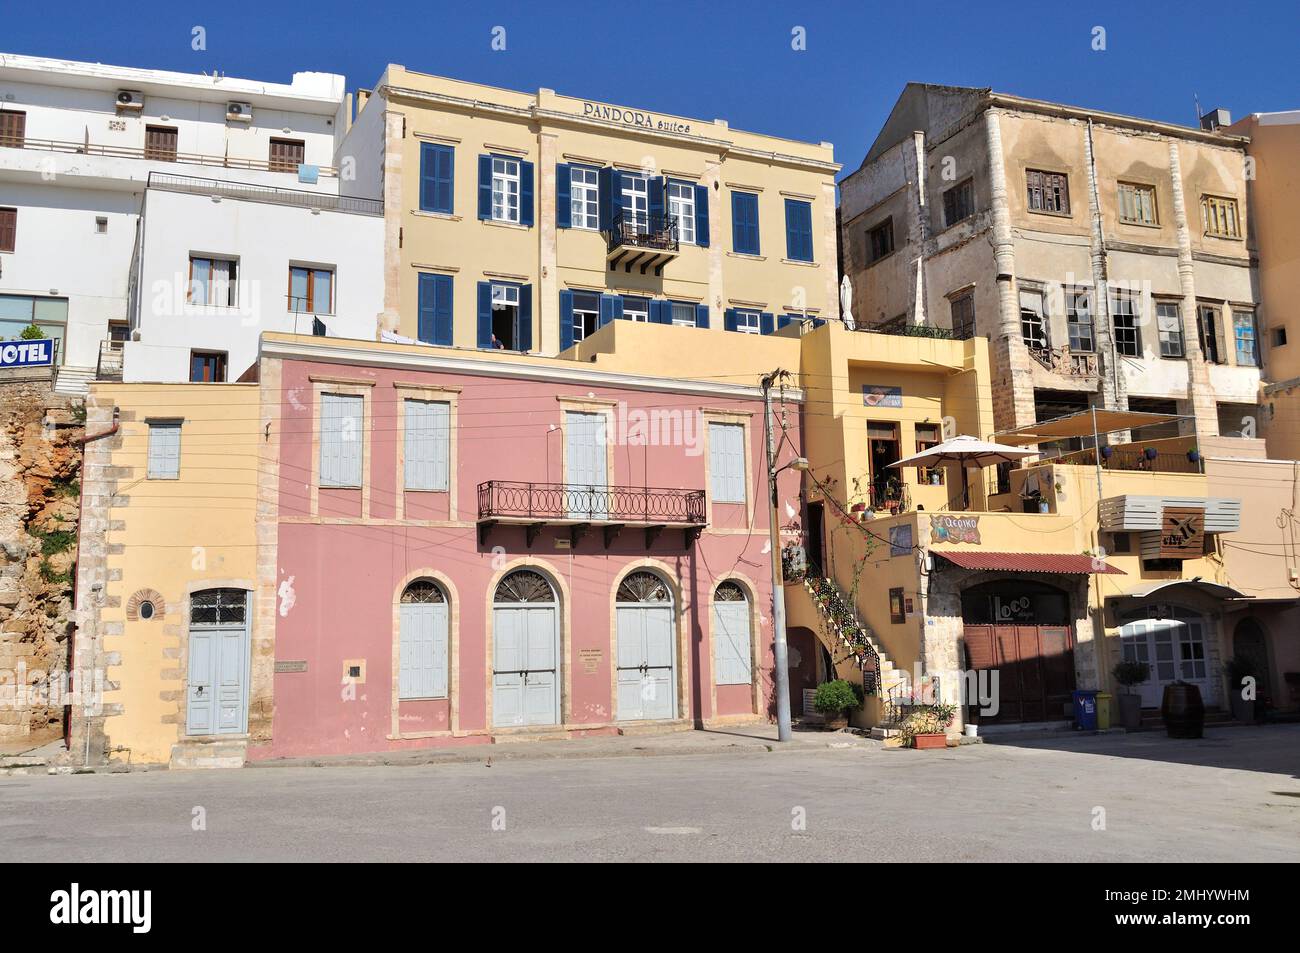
<point x="1035" y="666"/>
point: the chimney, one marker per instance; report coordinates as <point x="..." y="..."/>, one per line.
<point x="1215" y="119"/>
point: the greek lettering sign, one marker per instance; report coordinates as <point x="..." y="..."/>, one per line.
<point x="633" y="117"/>
<point x="955" y="529"/>
<point x="38" y="353"/>
<point x="1182" y="533"/>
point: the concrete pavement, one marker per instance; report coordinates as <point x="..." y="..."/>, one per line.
<point x="1233" y="796"/>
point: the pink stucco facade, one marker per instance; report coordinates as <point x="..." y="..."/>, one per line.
<point x="343" y="557"/>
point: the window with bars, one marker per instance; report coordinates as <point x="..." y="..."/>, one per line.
<point x="1078" y="320"/>
<point x="959" y="202"/>
<point x="1048" y="191"/>
<point x="287" y="154"/>
<point x="1137" y="204"/>
<point x="1169" y="328"/>
<point x="1220" y="216"/>
<point x="1125" y="314"/>
<point x="880" y="240"/>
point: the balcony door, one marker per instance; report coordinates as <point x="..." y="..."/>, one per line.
<point x="636" y="202"/>
<point x="586" y="471"/>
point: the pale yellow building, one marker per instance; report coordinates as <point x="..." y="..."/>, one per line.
<point x="526" y="221"/>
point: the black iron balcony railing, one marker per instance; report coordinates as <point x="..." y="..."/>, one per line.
<point x="499" y="499"/>
<point x="655" y="232"/>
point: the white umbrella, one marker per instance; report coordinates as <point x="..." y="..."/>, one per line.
<point x="846" y="303"/>
<point x="969" y="452"/>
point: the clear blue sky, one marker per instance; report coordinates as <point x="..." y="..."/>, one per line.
<point x="724" y="59"/>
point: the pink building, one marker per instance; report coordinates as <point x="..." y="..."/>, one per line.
<point x="458" y="545"/>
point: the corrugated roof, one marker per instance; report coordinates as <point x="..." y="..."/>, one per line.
<point x="1028" y="562"/>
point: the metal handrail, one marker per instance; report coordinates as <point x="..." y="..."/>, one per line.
<point x="859" y="645"/>
<point x="656" y="230"/>
<point x="612" y="504"/>
<point x="154" y="155"/>
<point x="196" y="185"/>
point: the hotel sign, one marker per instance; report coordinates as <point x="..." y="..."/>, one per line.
<point x="1182" y="533"/>
<point x="37" y="353"/>
<point x="633" y="117"/>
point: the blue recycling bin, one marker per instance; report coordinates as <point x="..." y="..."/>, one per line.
<point x="1085" y="710"/>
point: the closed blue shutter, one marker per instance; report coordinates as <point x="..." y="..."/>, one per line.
<point x="798" y="230"/>
<point x="437" y="178"/>
<point x="611" y="307"/>
<point x="485" y="187"/>
<point x="423" y="652"/>
<point x="566" y="320"/>
<point x="605" y="179"/>
<point x="732" y="656"/>
<point x="340" y="440"/>
<point x="701" y="315"/>
<point x="435" y="310"/>
<point x="525" y="193"/>
<point x="485" y="314"/>
<point x="656" y="189"/>
<point x="702" y="216"/>
<point x="729" y="319"/>
<point x="563" y="195"/>
<point x="782" y="320"/>
<point x="765" y="323"/>
<point x="525" y="318"/>
<point x="425" y="301"/>
<point x="661" y="312"/>
<point x="164" y="450"/>
<point x="744" y="223"/>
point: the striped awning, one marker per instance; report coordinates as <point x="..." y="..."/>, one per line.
<point x="1075" y="563"/>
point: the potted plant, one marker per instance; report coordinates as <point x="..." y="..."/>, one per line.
<point x="926" y="726"/>
<point x="1238" y="669"/>
<point x="833" y="700"/>
<point x="936" y="478"/>
<point x="1130" y="673"/>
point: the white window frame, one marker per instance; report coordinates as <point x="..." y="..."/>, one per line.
<point x="164" y="451"/>
<point x="749" y="322"/>
<point x="681" y="322"/>
<point x="1169" y="329"/>
<point x="505" y="189"/>
<point x="637" y="188"/>
<point x="681" y="204"/>
<point x="630" y="314"/>
<point x="584" y="198"/>
<point x="726" y="481"/>
<point x="579" y="325"/>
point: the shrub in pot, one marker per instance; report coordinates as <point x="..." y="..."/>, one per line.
<point x="833" y="701"/>
<point x="926" y="726"/>
<point x="1241" y="694"/>
<point x="1130" y="673"/>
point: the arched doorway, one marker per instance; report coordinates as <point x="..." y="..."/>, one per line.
<point x="422" y="649"/>
<point x="1171" y="640"/>
<point x="733" y="640"/>
<point x="217" y="672"/>
<point x="525" y="651"/>
<point x="646" y="675"/>
<point x="1249" y="642"/>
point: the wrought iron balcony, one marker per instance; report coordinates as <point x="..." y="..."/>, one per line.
<point x="641" y="240"/>
<point x="536" y="505"/>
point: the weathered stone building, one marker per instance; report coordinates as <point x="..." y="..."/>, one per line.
<point x="1108" y="259"/>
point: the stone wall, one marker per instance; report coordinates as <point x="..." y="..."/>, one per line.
<point x="40" y="466"/>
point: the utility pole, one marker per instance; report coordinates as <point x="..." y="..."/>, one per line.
<point x="780" y="650"/>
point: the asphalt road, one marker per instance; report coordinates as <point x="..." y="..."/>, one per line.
<point x="1233" y="796"/>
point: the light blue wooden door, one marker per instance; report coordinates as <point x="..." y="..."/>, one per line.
<point x="646" y="673"/>
<point x="585" y="465"/>
<point x="423" y="650"/>
<point x="218" y="682"/>
<point x="525" y="677"/>
<point x="200" y="708"/>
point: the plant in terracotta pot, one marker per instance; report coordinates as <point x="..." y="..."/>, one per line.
<point x="926" y="726"/>
<point x="1129" y="673"/>
<point x="834" y="700"/>
<point x="1243" y="682"/>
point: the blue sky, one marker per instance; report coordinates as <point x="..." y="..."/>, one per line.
<point x="723" y="59"/>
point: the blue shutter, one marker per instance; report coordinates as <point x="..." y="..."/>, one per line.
<point x="729" y="319"/>
<point x="616" y="191"/>
<point x="611" y="307"/>
<point x="782" y="320"/>
<point x="426" y="299"/>
<point x="798" y="230"/>
<point x="485" y="314"/>
<point x="566" y="320"/>
<point x="485" y="187"/>
<point x="437" y="178"/>
<point x="340" y="440"/>
<point x="525" y="342"/>
<point x="427" y="184"/>
<point x="563" y="195"/>
<point x="164" y="450"/>
<point x="661" y="312"/>
<point x="605" y="178"/>
<point x="656" y="189"/>
<point x="702" y="216"/>
<point x="765" y="323"/>
<point x="701" y="315"/>
<point x="525" y="193"/>
<point x="442" y="311"/>
<point x="744" y="223"/>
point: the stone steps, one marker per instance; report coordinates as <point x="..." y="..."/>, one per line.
<point x="209" y="754"/>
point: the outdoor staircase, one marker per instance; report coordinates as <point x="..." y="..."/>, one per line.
<point x="845" y="636"/>
<point x="73" y="381"/>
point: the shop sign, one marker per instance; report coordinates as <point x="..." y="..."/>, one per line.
<point x="955" y="529"/>
<point x="1182" y="533"/>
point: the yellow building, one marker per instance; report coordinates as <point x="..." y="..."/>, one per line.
<point x="526" y="221"/>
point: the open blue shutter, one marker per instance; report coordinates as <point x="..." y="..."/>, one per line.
<point x="616" y="191"/>
<point x="782" y="320"/>
<point x="427" y="298"/>
<point x="566" y="320"/>
<point x="729" y="319"/>
<point x="765" y="322"/>
<point x="656" y="190"/>
<point x="605" y="179"/>
<point x="484" y="186"/>
<point x="427" y="184"/>
<point x="485" y="314"/>
<point x="661" y="312"/>
<point x="701" y="315"/>
<point x="442" y="310"/>
<point x="525" y="193"/>
<point x="702" y="216"/>
<point x="563" y="195"/>
<point x="611" y="307"/>
<point x="525" y="318"/>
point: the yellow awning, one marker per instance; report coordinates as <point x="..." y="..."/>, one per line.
<point x="1081" y="425"/>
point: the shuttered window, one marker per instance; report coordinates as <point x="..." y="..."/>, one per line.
<point x="744" y="223"/>
<point x="959" y="202"/>
<point x="437" y="178"/>
<point x="798" y="230"/>
<point x="287" y="154"/>
<point x="13" y="128"/>
<point x="727" y="462"/>
<point x="428" y="444"/>
<point x="8" y="229"/>
<point x="164" y="449"/>
<point x="1220" y="216"/>
<point x="1047" y="192"/>
<point x="732" y="656"/>
<point x="423" y="645"/>
<point x="340" y="440"/>
<point x="160" y="143"/>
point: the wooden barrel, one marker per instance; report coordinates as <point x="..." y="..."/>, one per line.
<point x="1183" y="711"/>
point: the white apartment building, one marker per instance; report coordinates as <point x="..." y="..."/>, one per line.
<point x="134" y="202"/>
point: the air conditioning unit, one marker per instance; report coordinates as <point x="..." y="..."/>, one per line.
<point x="130" y="100"/>
<point x="239" y="112"/>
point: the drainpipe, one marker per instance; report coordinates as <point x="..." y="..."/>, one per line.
<point x="92" y="437"/>
<point x="920" y="230"/>
<point x="1111" y="386"/>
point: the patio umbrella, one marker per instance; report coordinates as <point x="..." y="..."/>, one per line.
<point x="969" y="452"/>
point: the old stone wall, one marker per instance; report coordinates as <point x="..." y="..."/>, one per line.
<point x="40" y="468"/>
